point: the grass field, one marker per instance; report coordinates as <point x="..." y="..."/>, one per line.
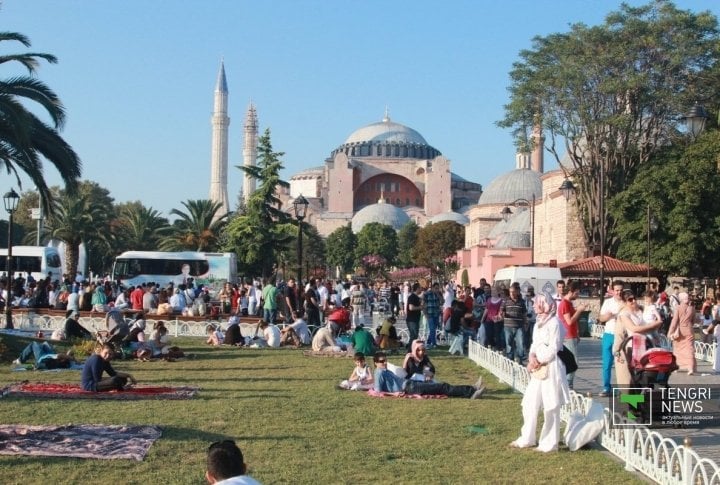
<point x="294" y="427"/>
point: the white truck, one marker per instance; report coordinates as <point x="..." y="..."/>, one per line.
<point x="541" y="278"/>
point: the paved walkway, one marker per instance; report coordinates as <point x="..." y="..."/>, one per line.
<point x="706" y="442"/>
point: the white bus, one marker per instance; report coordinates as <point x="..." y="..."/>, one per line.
<point x="39" y="261"/>
<point x="134" y="268"/>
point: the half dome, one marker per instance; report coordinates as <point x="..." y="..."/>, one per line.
<point x="382" y="213"/>
<point x="450" y="216"/>
<point x="521" y="183"/>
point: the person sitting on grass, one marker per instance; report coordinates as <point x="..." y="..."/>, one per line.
<point x="73" y="329"/>
<point x="362" y="341"/>
<point x="296" y="333"/>
<point x="226" y="465"/>
<point x="92" y="373"/>
<point x="361" y="378"/>
<point x="417" y="364"/>
<point x="386" y="381"/>
<point x="324" y="340"/>
<point x="215" y="335"/>
<point x="46" y="357"/>
<point x="271" y="335"/>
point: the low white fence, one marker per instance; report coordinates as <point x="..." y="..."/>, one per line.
<point x="703" y="351"/>
<point x="642" y="450"/>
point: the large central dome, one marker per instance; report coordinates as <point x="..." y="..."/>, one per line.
<point x="386" y="131"/>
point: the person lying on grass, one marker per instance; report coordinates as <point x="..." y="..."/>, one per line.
<point x="99" y="363"/>
<point x="361" y="378"/>
<point x="386" y="381"/>
<point x="46" y="357"/>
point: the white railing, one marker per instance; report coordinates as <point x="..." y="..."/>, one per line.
<point x="703" y="351"/>
<point x="643" y="450"/>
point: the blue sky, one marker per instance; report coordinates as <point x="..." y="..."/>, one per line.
<point x="137" y="79"/>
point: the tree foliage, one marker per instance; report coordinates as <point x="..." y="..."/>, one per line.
<point x="376" y="239"/>
<point x="610" y="97"/>
<point x="680" y="187"/>
<point x="258" y="236"/>
<point x="435" y="242"/>
<point x="140" y="228"/>
<point x="25" y="140"/>
<point x="340" y="249"/>
<point x="407" y="237"/>
<point x="196" y="229"/>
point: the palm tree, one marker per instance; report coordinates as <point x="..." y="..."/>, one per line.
<point x="194" y="230"/>
<point x="141" y="227"/>
<point x="24" y="138"/>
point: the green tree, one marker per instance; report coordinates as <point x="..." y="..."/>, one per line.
<point x="609" y="97"/>
<point x="258" y="236"/>
<point x="313" y="250"/>
<point x="83" y="216"/>
<point x="198" y="229"/>
<point x="340" y="249"/>
<point x="680" y="186"/>
<point x="435" y="242"/>
<point x="139" y="228"/>
<point x="25" y="140"/>
<point x="407" y="237"/>
<point x="376" y="239"/>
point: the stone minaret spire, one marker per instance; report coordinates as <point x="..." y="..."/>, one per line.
<point x="219" y="153"/>
<point x="250" y="150"/>
<point x="536" y="158"/>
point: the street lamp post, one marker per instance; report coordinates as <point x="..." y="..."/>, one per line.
<point x="652" y="226"/>
<point x="300" y="205"/>
<point x="695" y="119"/>
<point x="11" y="200"/>
<point x="507" y="212"/>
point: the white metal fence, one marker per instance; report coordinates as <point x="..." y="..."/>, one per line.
<point x="661" y="459"/>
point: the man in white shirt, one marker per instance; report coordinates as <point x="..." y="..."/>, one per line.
<point x="559" y="294"/>
<point x="271" y="335"/>
<point x="324" y="293"/>
<point x="608" y="314"/>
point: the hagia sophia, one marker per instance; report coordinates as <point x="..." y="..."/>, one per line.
<point x="387" y="172"/>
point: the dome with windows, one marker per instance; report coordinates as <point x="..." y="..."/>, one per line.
<point x="382" y="213"/>
<point x="521" y="183"/>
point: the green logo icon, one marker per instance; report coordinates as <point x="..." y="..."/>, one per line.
<point x="634" y="401"/>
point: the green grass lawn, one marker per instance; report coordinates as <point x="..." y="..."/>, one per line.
<point x="294" y="427"/>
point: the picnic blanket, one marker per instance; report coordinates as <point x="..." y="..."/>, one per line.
<point x="78" y="441"/>
<point x="325" y="353"/>
<point x="27" y="367"/>
<point x="74" y="391"/>
<point x="374" y="393"/>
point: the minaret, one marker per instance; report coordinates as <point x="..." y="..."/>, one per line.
<point x="250" y="150"/>
<point x="219" y="153"/>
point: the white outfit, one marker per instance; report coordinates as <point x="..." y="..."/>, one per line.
<point x="272" y="335"/>
<point x="323" y="292"/>
<point x="240" y="480"/>
<point x="301" y="329"/>
<point x="611" y="306"/>
<point x="362" y="374"/>
<point x="649" y="313"/>
<point x="550" y="393"/>
<point x="73" y="301"/>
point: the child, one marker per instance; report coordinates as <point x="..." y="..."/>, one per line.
<point x="361" y="378"/>
<point x="215" y="336"/>
<point x="713" y="332"/>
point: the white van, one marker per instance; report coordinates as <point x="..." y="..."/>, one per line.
<point x="39" y="261"/>
<point x="541" y="278"/>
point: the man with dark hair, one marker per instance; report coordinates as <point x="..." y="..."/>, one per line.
<point x="413" y="311"/>
<point x="226" y="465"/>
<point x="99" y="363"/>
<point x="514" y="312"/>
<point x="46" y="357"/>
<point x="569" y="315"/>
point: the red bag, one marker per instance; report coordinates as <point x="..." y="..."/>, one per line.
<point x="660" y="360"/>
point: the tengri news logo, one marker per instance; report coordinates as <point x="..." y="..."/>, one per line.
<point x="632" y="406"/>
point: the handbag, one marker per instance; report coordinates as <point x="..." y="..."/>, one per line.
<point x="540" y="373"/>
<point x="568" y="359"/>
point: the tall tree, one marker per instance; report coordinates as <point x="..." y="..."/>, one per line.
<point x="436" y="242"/>
<point x="25" y="140"/>
<point x="609" y="97"/>
<point x="340" y="246"/>
<point x="257" y="236"/>
<point x="376" y="239"/>
<point x="83" y="216"/>
<point x="195" y="230"/>
<point x="680" y="187"/>
<point x="140" y="228"/>
<point x="407" y="237"/>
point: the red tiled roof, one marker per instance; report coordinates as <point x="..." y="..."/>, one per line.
<point x="613" y="267"/>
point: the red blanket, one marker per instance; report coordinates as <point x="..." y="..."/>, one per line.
<point x="74" y="391"/>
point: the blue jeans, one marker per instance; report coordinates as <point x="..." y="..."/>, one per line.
<point x="270" y="315"/>
<point x="516" y="336"/>
<point x="413" y="330"/>
<point x="572" y="345"/>
<point x="432" y="321"/>
<point x="37" y="350"/>
<point x="607" y="359"/>
<point x="386" y="381"/>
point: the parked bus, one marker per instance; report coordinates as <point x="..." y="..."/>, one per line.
<point x="39" y="261"/>
<point x="134" y="268"/>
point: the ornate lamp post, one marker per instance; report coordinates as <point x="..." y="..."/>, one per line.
<point x="300" y="205"/>
<point x="652" y="226"/>
<point x="11" y="200"/>
<point x="695" y="119"/>
<point x="507" y="212"/>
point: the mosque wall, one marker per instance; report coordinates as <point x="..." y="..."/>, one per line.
<point x="340" y="185"/>
<point x="438" y="196"/>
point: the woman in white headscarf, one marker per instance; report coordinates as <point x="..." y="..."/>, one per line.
<point x="681" y="334"/>
<point x="548" y="389"/>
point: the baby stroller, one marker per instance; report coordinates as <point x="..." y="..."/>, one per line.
<point x="651" y="363"/>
